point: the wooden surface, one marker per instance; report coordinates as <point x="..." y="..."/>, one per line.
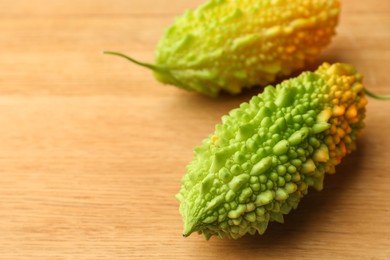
<point x="93" y="148"/>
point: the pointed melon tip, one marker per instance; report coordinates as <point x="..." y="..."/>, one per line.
<point x="189" y="227"/>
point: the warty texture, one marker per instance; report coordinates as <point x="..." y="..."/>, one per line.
<point x="262" y="159"/>
<point x="232" y="44"/>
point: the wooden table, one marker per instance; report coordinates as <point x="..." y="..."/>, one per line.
<point x="93" y="148"/>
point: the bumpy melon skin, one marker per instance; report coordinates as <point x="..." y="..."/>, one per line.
<point x="231" y="44"/>
<point x="262" y="159"/>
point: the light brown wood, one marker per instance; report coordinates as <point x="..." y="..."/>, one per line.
<point x="93" y="148"/>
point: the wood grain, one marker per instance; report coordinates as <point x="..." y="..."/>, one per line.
<point x="93" y="148"/>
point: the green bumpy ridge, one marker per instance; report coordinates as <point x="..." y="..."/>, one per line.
<point x="229" y="44"/>
<point x="262" y="159"/>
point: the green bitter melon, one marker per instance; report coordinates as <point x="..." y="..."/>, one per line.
<point x="262" y="159"/>
<point x="232" y="44"/>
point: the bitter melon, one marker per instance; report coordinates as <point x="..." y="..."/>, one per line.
<point x="262" y="159"/>
<point x="232" y="44"/>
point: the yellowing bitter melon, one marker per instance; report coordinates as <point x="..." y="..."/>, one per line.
<point x="231" y="44"/>
<point x="262" y="159"/>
